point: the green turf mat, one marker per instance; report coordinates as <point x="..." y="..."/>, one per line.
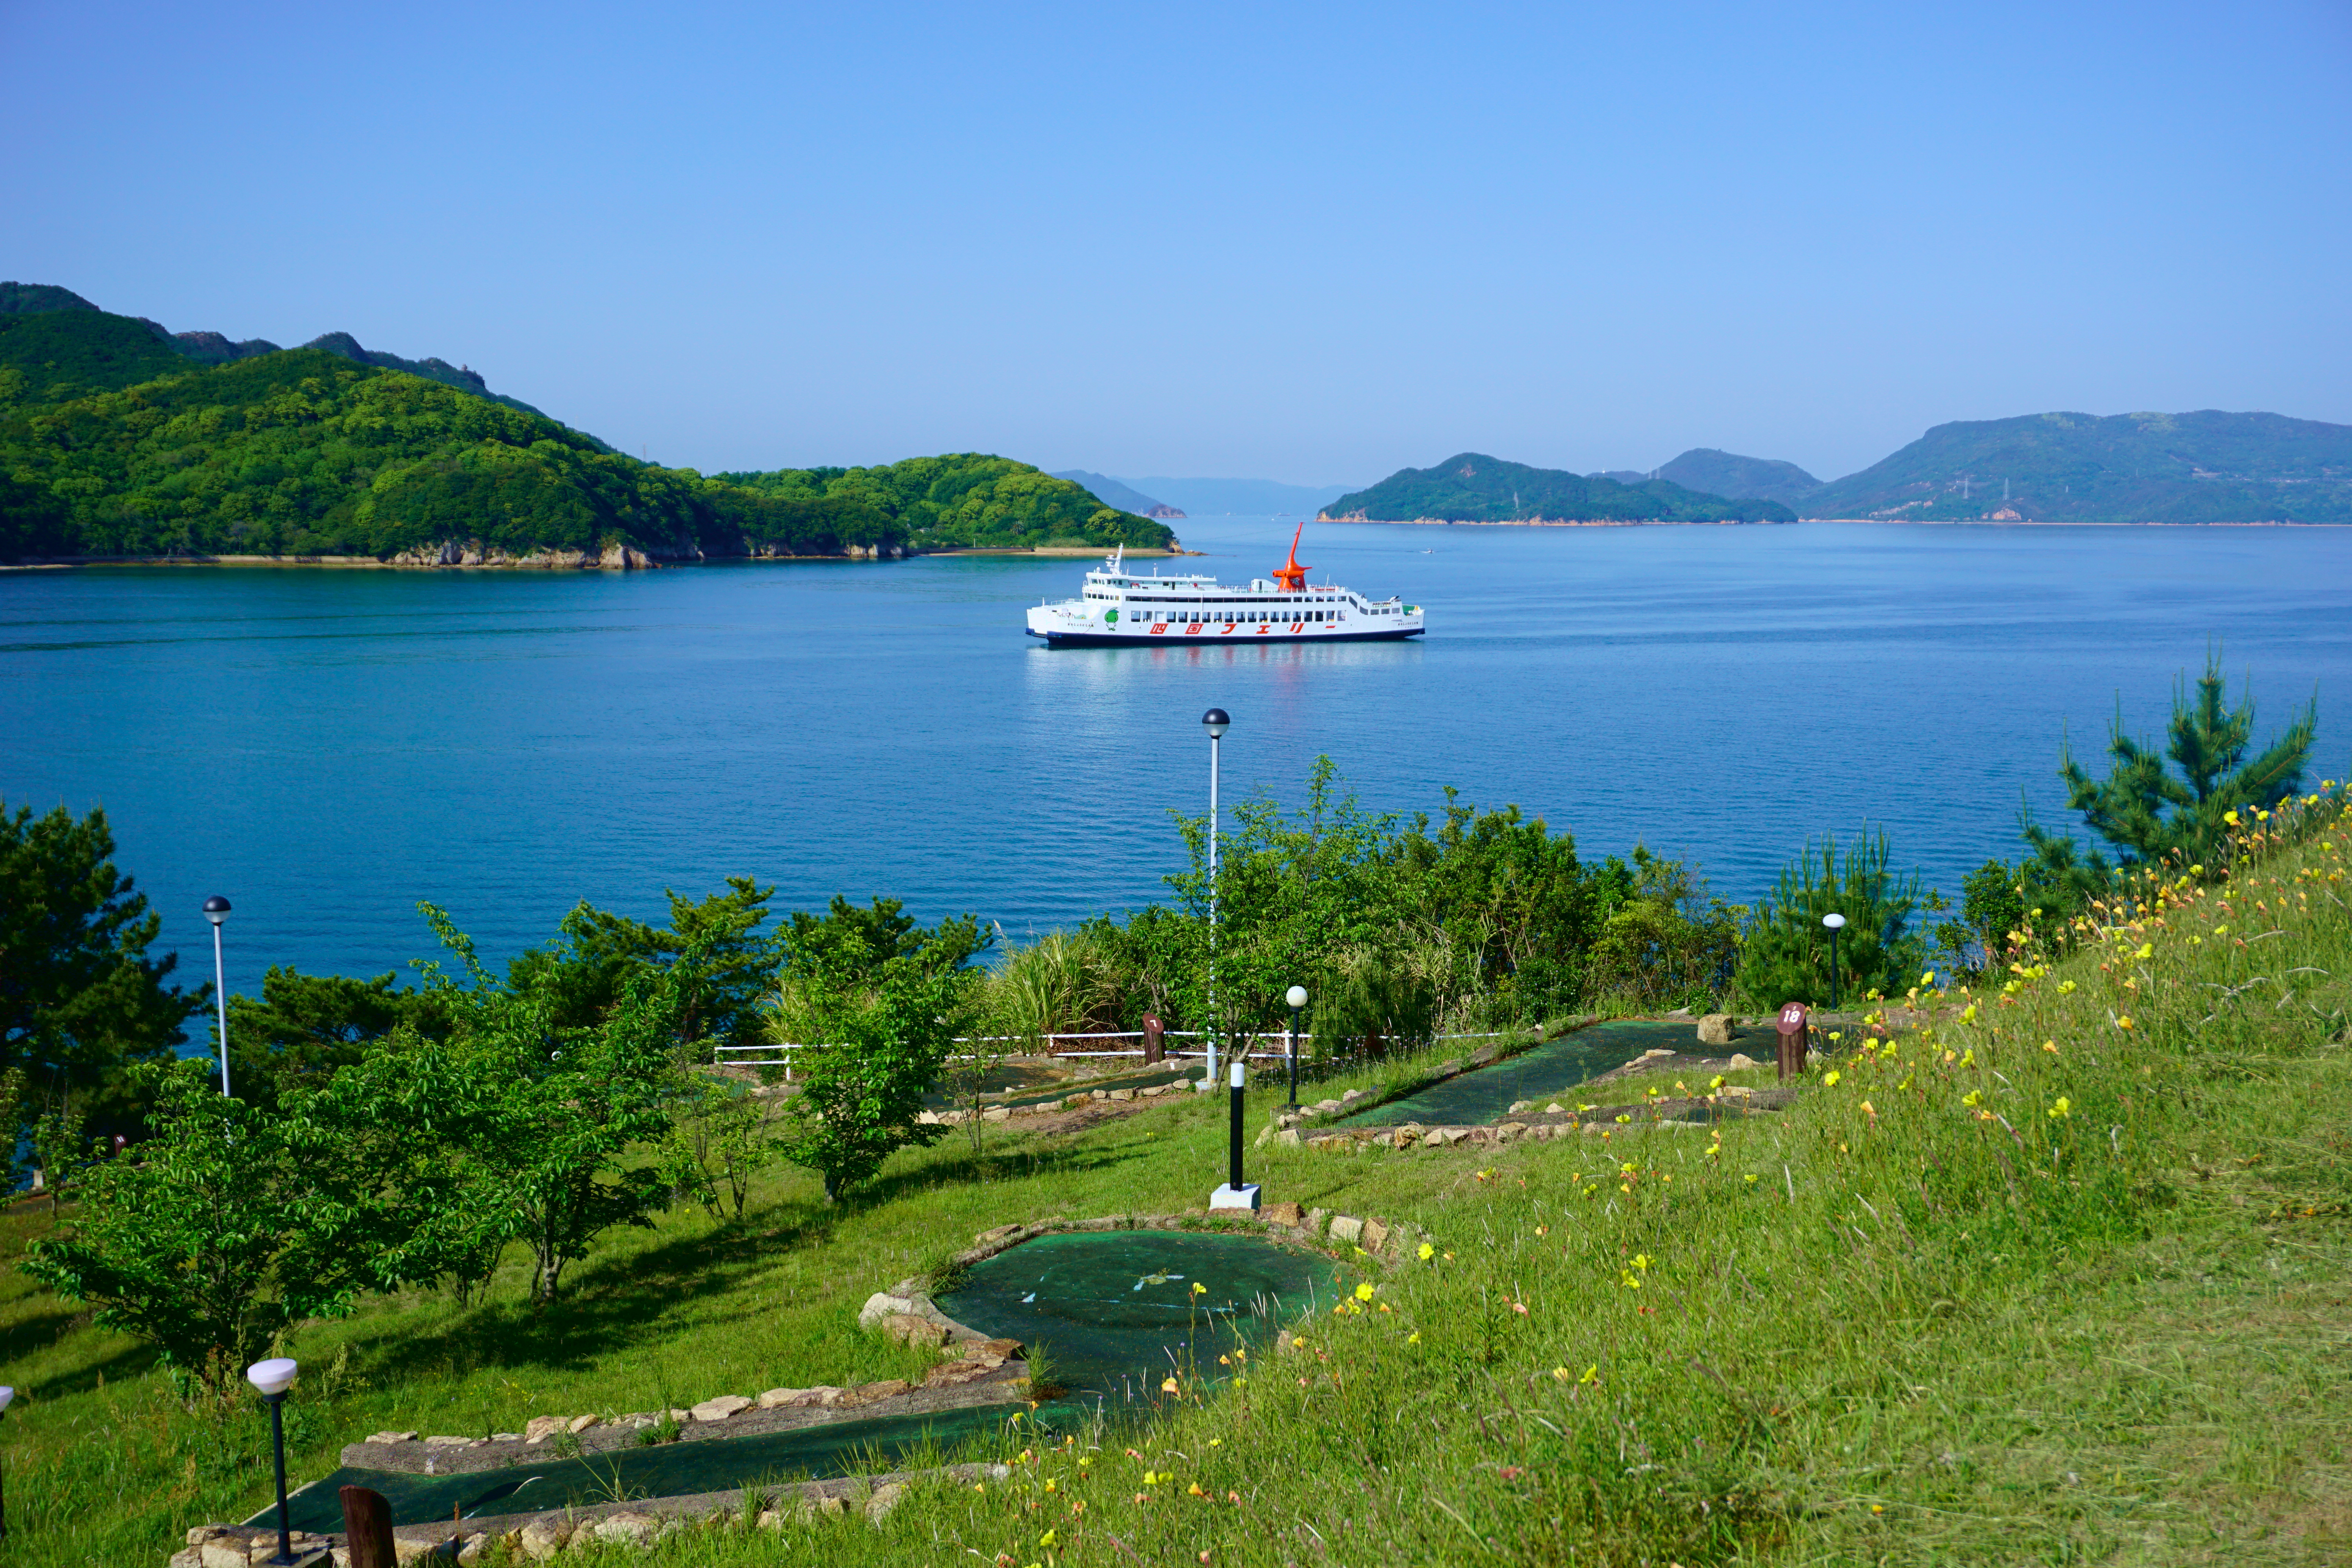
<point x="1474" y="1098"/>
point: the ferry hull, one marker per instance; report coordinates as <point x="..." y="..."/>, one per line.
<point x="1098" y="639"/>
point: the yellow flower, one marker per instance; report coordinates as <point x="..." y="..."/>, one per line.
<point x="1929" y="978"/>
<point x="2125" y="1022"/>
<point x="1831" y="1081"/>
<point x="1199" y="1288"/>
<point x="1642" y="1261"/>
<point x="1751" y="1176"/>
<point x="1427" y="1252"/>
<point x="2065" y="988"/>
<point x="2059" y="1107"/>
<point x="1050" y="1484"/>
<point x="2221" y="930"/>
<point x="1167" y="1385"/>
<point x="2231" y="817"/>
<point x="2146" y="949"/>
<point x="1624" y="1118"/>
<point x="1591" y="1374"/>
<point x="1715" y="1082"/>
<point x="1194" y="1490"/>
<point x="1561" y="1374"/>
<point x="1414" y="1338"/>
<point x="1364" y="1292"/>
<point x="1973" y="1097"/>
<point x="1968" y="1057"/>
<point x="1866" y="1111"/>
<point x="1968" y="1013"/>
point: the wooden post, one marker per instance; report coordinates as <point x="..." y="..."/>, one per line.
<point x="1155" y="1044"/>
<point x="367" y="1527"/>
<point x="1795" y="1039"/>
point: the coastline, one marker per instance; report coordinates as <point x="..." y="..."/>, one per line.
<point x="1874" y="521"/>
<point x="618" y="559"/>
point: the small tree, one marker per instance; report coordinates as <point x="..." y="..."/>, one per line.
<point x="214" y="1237"/>
<point x="879" y="1026"/>
<point x="2148" y="814"/>
<point x="1784" y="954"/>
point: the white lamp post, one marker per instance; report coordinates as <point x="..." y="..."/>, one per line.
<point x="1296" y="997"/>
<point x="1836" y="923"/>
<point x="273" y="1378"/>
<point x="217" y="910"/>
<point x="1215" y="721"/>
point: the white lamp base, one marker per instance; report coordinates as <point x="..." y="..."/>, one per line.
<point x="1235" y="1198"/>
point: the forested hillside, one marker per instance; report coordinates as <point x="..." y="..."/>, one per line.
<point x="1472" y="488"/>
<point x="118" y="439"/>
<point x="967" y="498"/>
<point x="1711" y="472"/>
<point x="2207" y="466"/>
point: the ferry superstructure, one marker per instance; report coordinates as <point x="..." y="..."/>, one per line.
<point x="1121" y="608"/>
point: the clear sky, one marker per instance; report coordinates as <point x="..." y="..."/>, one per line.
<point x="1308" y="242"/>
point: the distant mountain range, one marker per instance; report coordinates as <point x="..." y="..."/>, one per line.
<point x="1471" y="486"/>
<point x="213" y="348"/>
<point x="2206" y="466"/>
<point x="1110" y="492"/>
<point x="1240" y="498"/>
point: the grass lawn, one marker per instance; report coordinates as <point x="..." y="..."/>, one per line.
<point x="2068" y="1277"/>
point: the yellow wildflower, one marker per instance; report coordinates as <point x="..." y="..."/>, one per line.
<point x="1427" y="1252"/>
<point x="1414" y="1338"/>
<point x="1831" y="1080"/>
<point x="2059" y="1107"/>
<point x="1364" y="1292"/>
<point x="1167" y="1385"/>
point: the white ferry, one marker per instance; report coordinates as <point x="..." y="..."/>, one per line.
<point x="1121" y="607"/>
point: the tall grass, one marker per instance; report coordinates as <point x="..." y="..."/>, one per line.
<point x="2057" y="1278"/>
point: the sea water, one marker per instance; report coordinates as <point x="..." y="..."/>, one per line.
<point x="327" y="747"/>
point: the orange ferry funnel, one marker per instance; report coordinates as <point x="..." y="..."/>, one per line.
<point x="1292" y="577"/>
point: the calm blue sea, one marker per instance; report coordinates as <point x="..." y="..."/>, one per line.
<point x="328" y="747"/>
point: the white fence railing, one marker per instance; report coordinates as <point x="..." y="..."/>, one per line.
<point x="736" y="1055"/>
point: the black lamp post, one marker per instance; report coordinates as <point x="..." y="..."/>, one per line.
<point x="1217" y="721"/>
<point x="1235" y="1194"/>
<point x="273" y="1378"/>
<point x="217" y="910"/>
<point x="8" y="1397"/>
<point x="1836" y="923"/>
<point x="1296" y="997"/>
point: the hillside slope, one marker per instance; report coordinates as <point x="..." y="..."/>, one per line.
<point x="967" y="500"/>
<point x="1112" y="493"/>
<point x="2206" y="466"/>
<point x="1473" y="487"/>
<point x="1718" y="473"/>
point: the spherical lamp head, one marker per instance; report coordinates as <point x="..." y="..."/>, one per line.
<point x="1835" y="923"/>
<point x="216" y="908"/>
<point x="7" y="1396"/>
<point x="1215" y="720"/>
<point x="275" y="1375"/>
<point x="1296" y="996"/>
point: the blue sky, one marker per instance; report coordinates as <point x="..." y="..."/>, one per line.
<point x="1310" y="243"/>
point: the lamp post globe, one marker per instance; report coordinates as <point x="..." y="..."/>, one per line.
<point x="272" y="1378"/>
<point x="8" y="1397"/>
<point x="1216" y="720"/>
<point x="1836" y="923"/>
<point x="216" y="911"/>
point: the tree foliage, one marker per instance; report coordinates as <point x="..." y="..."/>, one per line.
<point x="966" y="498"/>
<point x="2151" y="814"/>
<point x="1784" y="954"/>
<point x="80" y="1000"/>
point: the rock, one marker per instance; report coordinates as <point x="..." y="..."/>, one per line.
<point x="776" y="1397"/>
<point x="1347" y="1227"/>
<point x="408" y="1549"/>
<point x="1315" y="1218"/>
<point x="1680" y="1013"/>
<point x="629" y="1527"/>
<point x="474" y="1549"/>
<point x="1510" y="1131"/>
<point x="1152" y="1091"/>
<point x="1555" y="1109"/>
<point x="1383" y="1140"/>
<point x="829" y="1505"/>
<point x="1404" y="1138"/>
<point x="1742" y="1059"/>
<point x="727" y="1404"/>
<point x="450" y="1442"/>
<point x="1714" y="1029"/>
<point x="1115" y="1094"/>
<point x="1520" y="1107"/>
<point x="1376" y="1234"/>
<point x="580" y="1424"/>
<point x="998" y="1351"/>
<point x="226" y="1554"/>
<point x="392" y="1438"/>
<point x="187" y="1557"/>
<point x="1352" y="1095"/>
<point x="927" y="1119"/>
<point x="1095" y="1094"/>
<point x="506" y="1436"/>
<point x="909" y="1329"/>
<point x="540" y="1428"/>
<point x="772" y="1519"/>
<point x="995" y="1233"/>
<point x="1264" y="1136"/>
<point x="1287" y="1137"/>
<point x="955" y="1373"/>
<point x="1660" y="1051"/>
<point x="886" y="1497"/>
<point x="996" y="1113"/>
<point x="1449" y="1068"/>
<point x="881" y="1305"/>
<point x="543" y="1537"/>
<point x="1289" y="1216"/>
<point x="887" y="1388"/>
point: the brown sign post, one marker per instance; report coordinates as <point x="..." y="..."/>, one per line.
<point x="367" y="1528"/>
<point x="1796" y="1038"/>
<point x="1154" y="1039"/>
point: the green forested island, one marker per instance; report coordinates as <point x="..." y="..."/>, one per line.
<point x="1473" y="487"/>
<point x="119" y="440"/>
<point x="2206" y="466"/>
